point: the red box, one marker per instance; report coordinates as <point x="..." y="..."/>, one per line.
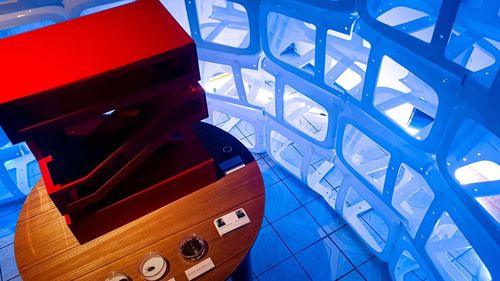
<point x="101" y="101"/>
<point x="91" y="65"/>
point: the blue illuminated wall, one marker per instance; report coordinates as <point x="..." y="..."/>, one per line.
<point x="387" y="109"/>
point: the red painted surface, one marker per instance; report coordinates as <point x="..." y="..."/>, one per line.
<point x="103" y="171"/>
<point x="85" y="47"/>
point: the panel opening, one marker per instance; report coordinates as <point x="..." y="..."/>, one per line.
<point x="260" y="89"/>
<point x="405" y="99"/>
<point x="305" y="114"/>
<point x="292" y="41"/>
<point x="474" y="42"/>
<point x="416" y="18"/>
<point x="474" y="161"/>
<point x="365" y="156"/>
<point x="346" y="61"/>
<point x="240" y="129"/>
<point x="452" y="254"/>
<point x="286" y="152"/>
<point x="218" y="79"/>
<point x="412" y="197"/>
<point x="223" y="22"/>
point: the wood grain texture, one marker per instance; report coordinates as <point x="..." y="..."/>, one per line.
<point x="47" y="250"/>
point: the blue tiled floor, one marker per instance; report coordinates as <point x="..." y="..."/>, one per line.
<point x="301" y="237"/>
<point x="288" y="226"/>
<point x="8" y="268"/>
<point x="268" y="251"/>
<point x="322" y="213"/>
<point x="351" y="246"/>
<point x="279" y="202"/>
<point x="324" y="261"/>
<point x="303" y="193"/>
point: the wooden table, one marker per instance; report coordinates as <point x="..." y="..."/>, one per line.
<point x="46" y="249"/>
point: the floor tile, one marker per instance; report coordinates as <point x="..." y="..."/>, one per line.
<point x="279" y="202"/>
<point x="8" y="227"/>
<point x="351" y="245"/>
<point x="375" y="270"/>
<point x="328" y="218"/>
<point x="303" y="192"/>
<point x="264" y="222"/>
<point x="10" y="210"/>
<point x="354" y="276"/>
<point x="268" y="251"/>
<point x="8" y="262"/>
<point x="6" y="240"/>
<point x="376" y="226"/>
<point x="324" y="261"/>
<point x="298" y="230"/>
<point x="289" y="270"/>
<point x="268" y="175"/>
<point x="282" y="173"/>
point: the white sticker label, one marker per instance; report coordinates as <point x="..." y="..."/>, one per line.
<point x="231" y="221"/>
<point x="171" y="279"/>
<point x="199" y="269"/>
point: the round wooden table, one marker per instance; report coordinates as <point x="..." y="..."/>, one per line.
<point x="46" y="249"/>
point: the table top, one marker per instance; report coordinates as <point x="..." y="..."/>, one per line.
<point x="46" y="249"/>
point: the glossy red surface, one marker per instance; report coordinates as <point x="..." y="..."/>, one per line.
<point x="61" y="54"/>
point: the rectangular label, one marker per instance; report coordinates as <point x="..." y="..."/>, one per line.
<point x="231" y="221"/>
<point x="199" y="269"/>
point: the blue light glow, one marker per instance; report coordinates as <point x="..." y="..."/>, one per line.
<point x="387" y="109"/>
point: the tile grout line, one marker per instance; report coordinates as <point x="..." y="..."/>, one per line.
<point x="303" y="269"/>
<point x="340" y="249"/>
<point x="315" y="220"/>
<point x="269" y="269"/>
<point x="5" y="246"/>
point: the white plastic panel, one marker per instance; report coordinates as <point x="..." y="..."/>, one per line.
<point x="260" y="89"/>
<point x="365" y="156"/>
<point x="324" y="178"/>
<point x="407" y="268"/>
<point x="346" y="61"/>
<point x="365" y="220"/>
<point x="412" y="197"/>
<point x="416" y="17"/>
<point x="474" y="162"/>
<point x="286" y="152"/>
<point x="223" y="22"/>
<point x="305" y="114"/>
<point x="240" y="129"/>
<point x="105" y="7"/>
<point x="405" y="99"/>
<point x="24" y="28"/>
<point x="474" y="42"/>
<point x="292" y="41"/>
<point x="452" y="254"/>
<point x="218" y="79"/>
